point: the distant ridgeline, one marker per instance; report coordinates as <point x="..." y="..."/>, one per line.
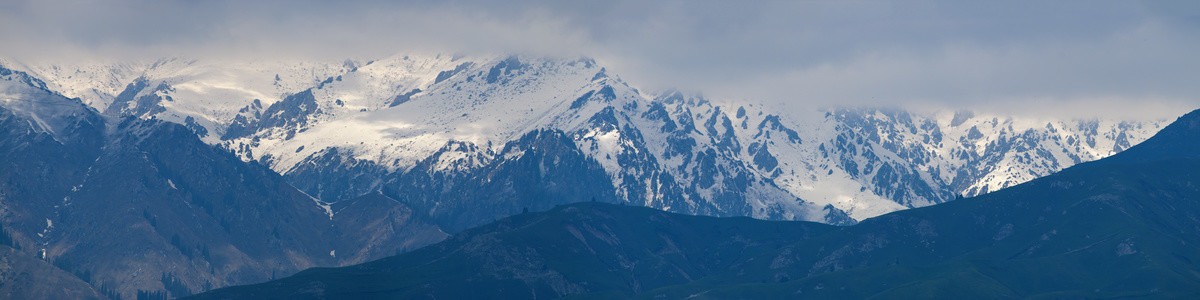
<point x="1124" y="226"/>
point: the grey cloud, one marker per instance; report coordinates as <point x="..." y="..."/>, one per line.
<point x="999" y="54"/>
<point x="52" y="29"/>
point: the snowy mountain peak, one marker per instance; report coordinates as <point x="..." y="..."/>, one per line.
<point x="30" y="99"/>
<point x="364" y="121"/>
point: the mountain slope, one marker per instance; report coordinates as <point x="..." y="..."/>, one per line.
<point x="1119" y="227"/>
<point x="23" y="276"/>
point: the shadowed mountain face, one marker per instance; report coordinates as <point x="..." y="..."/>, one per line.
<point x="574" y="249"/>
<point x="540" y="170"/>
<point x="1126" y="226"/>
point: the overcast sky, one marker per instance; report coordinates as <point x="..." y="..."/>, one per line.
<point x="1060" y="57"/>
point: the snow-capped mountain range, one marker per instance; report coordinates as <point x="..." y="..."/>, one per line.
<point x="340" y="129"/>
